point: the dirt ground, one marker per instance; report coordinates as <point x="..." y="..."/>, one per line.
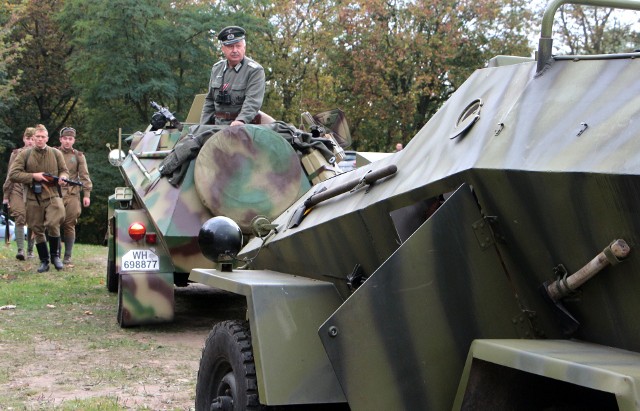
<point x="141" y="368"/>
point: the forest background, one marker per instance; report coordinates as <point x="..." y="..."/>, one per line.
<point x="389" y="65"/>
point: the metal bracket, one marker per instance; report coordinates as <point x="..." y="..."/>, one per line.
<point x="526" y="325"/>
<point x="484" y="232"/>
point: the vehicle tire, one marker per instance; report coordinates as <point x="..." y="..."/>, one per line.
<point x="112" y="277"/>
<point x="120" y="314"/>
<point x="112" y="274"/>
<point x="227" y="373"/>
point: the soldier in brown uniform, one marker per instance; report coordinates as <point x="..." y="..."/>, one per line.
<point x="78" y="171"/>
<point x="12" y="194"/>
<point x="44" y="203"/>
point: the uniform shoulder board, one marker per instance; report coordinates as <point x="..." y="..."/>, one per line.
<point x="78" y="152"/>
<point x="218" y="63"/>
<point x="253" y="64"/>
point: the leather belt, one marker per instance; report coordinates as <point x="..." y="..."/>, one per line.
<point x="226" y="115"/>
<point x="233" y="116"/>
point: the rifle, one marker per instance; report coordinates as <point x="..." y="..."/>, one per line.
<point x="54" y="180"/>
<point x="51" y="179"/>
<point x="7" y="236"/>
<point x="159" y="119"/>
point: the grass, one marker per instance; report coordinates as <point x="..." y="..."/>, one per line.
<point x="62" y="349"/>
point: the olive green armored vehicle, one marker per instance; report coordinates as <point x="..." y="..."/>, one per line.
<point x="178" y="176"/>
<point x="489" y="265"/>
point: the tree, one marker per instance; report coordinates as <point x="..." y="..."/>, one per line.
<point x="290" y="48"/>
<point x="129" y="52"/>
<point x="44" y="92"/>
<point x="125" y="54"/>
<point x="34" y="86"/>
<point x="399" y="61"/>
<point x="596" y="30"/>
<point x="8" y="52"/>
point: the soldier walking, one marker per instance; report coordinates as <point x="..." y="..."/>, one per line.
<point x="13" y="196"/>
<point x="45" y="209"/>
<point x="78" y="171"/>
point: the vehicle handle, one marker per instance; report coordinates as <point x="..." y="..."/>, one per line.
<point x="371" y="177"/>
<point x="545" y="43"/>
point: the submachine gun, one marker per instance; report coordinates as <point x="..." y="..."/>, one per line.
<point x="162" y="116"/>
<point x="54" y="181"/>
<point x="5" y="212"/>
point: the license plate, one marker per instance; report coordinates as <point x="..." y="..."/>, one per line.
<point x="140" y="260"/>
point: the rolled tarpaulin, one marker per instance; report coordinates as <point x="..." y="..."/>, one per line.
<point x="242" y="172"/>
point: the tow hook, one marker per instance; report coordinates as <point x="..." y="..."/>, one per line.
<point x="223" y="403"/>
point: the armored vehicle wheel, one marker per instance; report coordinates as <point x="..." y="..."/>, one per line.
<point x="120" y="314"/>
<point x="112" y="277"/>
<point x="227" y="374"/>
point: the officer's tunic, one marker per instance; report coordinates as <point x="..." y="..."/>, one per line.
<point x="78" y="171"/>
<point x="14" y="193"/>
<point x="245" y="85"/>
<point x="44" y="210"/>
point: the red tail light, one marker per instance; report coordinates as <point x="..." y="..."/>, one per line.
<point x="152" y="238"/>
<point x="137" y="231"/>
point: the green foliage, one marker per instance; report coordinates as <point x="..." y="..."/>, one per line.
<point x="127" y="53"/>
<point x="92" y="226"/>
<point x="390" y="65"/>
<point x="43" y="92"/>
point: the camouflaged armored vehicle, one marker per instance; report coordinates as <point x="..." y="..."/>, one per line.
<point x="180" y="175"/>
<point x="489" y="265"/>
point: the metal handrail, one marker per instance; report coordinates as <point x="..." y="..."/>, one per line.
<point x="545" y="43"/>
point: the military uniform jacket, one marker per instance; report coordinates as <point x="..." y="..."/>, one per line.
<point x="9" y="186"/>
<point x="78" y="171"/>
<point x="46" y="160"/>
<point x="245" y="85"/>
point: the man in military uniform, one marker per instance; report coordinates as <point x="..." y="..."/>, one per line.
<point x="78" y="171"/>
<point x="13" y="196"/>
<point x="44" y="202"/>
<point x="236" y="87"/>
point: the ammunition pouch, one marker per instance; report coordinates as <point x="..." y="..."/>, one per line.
<point x="36" y="186"/>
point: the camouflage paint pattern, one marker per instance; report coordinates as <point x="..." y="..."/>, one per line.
<point x="144" y="297"/>
<point x="269" y="179"/>
<point x="547" y="173"/>
<point x="175" y="212"/>
<point x="244" y="172"/>
<point x="609" y="372"/>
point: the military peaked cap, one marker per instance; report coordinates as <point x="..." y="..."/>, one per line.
<point x="231" y="34"/>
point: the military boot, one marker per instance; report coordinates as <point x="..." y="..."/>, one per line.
<point x="43" y="253"/>
<point x="68" y="249"/>
<point x="20" y="242"/>
<point x="54" y="250"/>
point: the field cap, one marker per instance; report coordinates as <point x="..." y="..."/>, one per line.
<point x="68" y="131"/>
<point x="231" y="34"/>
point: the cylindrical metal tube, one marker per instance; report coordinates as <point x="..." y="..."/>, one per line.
<point x="614" y="252"/>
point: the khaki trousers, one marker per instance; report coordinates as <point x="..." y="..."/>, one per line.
<point x="45" y="215"/>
